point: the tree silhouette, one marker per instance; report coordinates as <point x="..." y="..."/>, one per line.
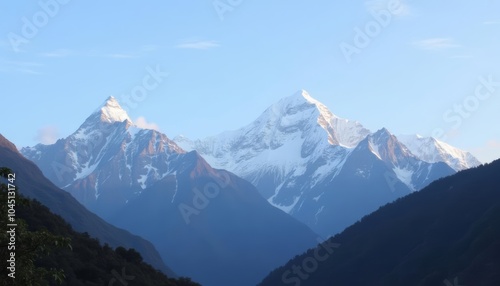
<point x="29" y="245"/>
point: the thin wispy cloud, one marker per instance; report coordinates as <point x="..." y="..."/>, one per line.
<point x="462" y="57"/>
<point x="497" y="22"/>
<point x="121" y="56"/>
<point x="28" y="71"/>
<point x="436" y="44"/>
<point x="60" y="53"/>
<point x="139" y="52"/>
<point x="31" y="68"/>
<point x="198" y="45"/>
<point x="112" y="54"/>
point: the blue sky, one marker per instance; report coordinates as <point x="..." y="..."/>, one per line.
<point x="421" y="68"/>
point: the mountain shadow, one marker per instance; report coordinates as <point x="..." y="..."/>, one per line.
<point x="446" y="234"/>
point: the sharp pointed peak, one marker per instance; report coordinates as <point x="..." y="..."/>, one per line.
<point x="301" y="96"/>
<point x="382" y="131"/>
<point x="385" y="130"/>
<point x="110" y="101"/>
<point x="302" y="93"/>
<point x="110" y="111"/>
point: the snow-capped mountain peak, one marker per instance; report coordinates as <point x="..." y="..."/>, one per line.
<point x="302" y="100"/>
<point x="432" y="150"/>
<point x="292" y="132"/>
<point x="301" y="108"/>
<point x="108" y="113"/>
<point x="302" y="96"/>
<point x="108" y="136"/>
<point x="111" y="111"/>
<point x="387" y="147"/>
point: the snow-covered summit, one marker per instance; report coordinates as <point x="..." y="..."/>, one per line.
<point x="111" y="111"/>
<point x="303" y="97"/>
<point x="432" y="150"/>
<point x="108" y="136"/>
<point x="102" y="119"/>
<point x="302" y="110"/>
<point x="287" y="136"/>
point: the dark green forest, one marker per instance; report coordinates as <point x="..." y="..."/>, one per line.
<point x="446" y="234"/>
<point x="49" y="252"/>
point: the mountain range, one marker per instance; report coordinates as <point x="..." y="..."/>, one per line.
<point x="245" y="201"/>
<point x="207" y="224"/>
<point x="324" y="170"/>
